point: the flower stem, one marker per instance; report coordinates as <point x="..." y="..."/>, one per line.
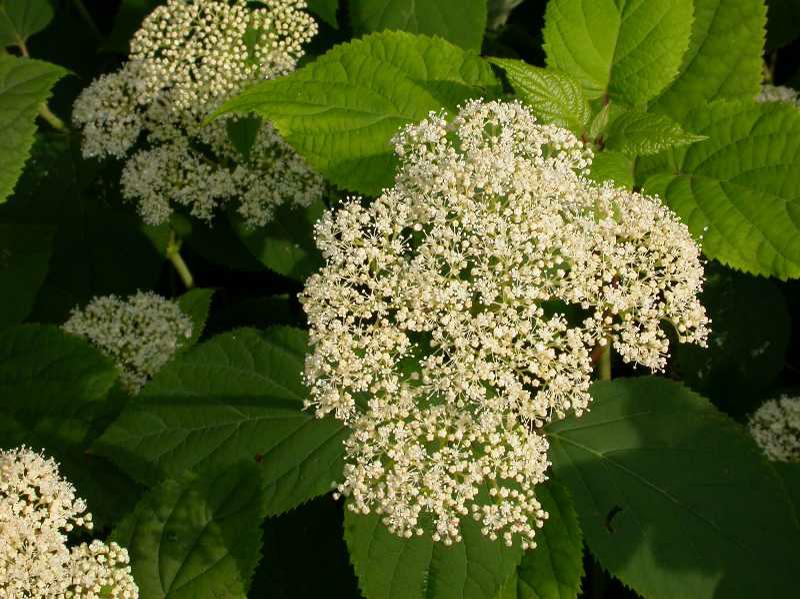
<point x="174" y="255"/>
<point x="44" y="110"/>
<point x="52" y="120"/>
<point x="605" y="362"/>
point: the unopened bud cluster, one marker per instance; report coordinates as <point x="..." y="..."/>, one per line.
<point x="140" y="333"/>
<point x="458" y="313"/>
<point x="775" y="426"/>
<point x="37" y="510"/>
<point x="188" y="58"/>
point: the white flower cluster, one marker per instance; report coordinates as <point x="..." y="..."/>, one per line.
<point x="778" y="93"/>
<point x="459" y="311"/>
<point x="188" y="58"/>
<point x="775" y="426"/>
<point x="140" y="333"/>
<point x="37" y="509"/>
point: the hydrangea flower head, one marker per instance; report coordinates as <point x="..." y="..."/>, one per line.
<point x="140" y="333"/>
<point x="775" y="426"/>
<point x="188" y="58"/>
<point x="37" y="509"/>
<point x="458" y="312"/>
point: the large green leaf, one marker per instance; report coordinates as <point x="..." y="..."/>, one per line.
<point x="341" y="111"/>
<point x="237" y="396"/>
<point x="740" y="189"/>
<point x="47" y="372"/>
<point x="552" y="96"/>
<point x="393" y="567"/>
<point x="53" y="389"/>
<point x="750" y="332"/>
<point x="612" y="166"/>
<point x="629" y="51"/>
<point x="99" y="246"/>
<point x="109" y="494"/>
<point x="196" y="304"/>
<point x="20" y="19"/>
<point x="642" y="133"/>
<point x="286" y="244"/>
<point x="552" y="570"/>
<point x="24" y="85"/>
<point x="459" y="22"/>
<point x="724" y="56"/>
<point x="196" y="538"/>
<point x="667" y="487"/>
<point x="24" y="258"/>
<point x="789" y="474"/>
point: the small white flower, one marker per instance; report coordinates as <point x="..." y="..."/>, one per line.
<point x="37" y="510"/>
<point x="778" y="93"/>
<point x="188" y="58"/>
<point x="140" y="333"/>
<point x="458" y="312"/>
<point x="775" y="426"/>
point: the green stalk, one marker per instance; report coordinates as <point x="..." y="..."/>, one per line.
<point x="52" y="120"/>
<point x="44" y="110"/>
<point x="605" y="362"/>
<point x="174" y="256"/>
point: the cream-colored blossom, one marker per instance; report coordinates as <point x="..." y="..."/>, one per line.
<point x="778" y="93"/>
<point x="37" y="509"/>
<point x="468" y="300"/>
<point x="776" y="428"/>
<point x="188" y="58"/>
<point x="140" y="333"/>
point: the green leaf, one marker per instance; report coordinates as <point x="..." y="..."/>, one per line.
<point x="666" y="489"/>
<point x="750" y="333"/>
<point x="237" y="396"/>
<point x="286" y="244"/>
<point x="20" y="19"/>
<point x="629" y="51"/>
<point x="100" y="247"/>
<point x="790" y="477"/>
<point x="553" y="570"/>
<point x="196" y="304"/>
<point x="243" y="132"/>
<point x="723" y="59"/>
<point x="24" y="258"/>
<point x="46" y="372"/>
<point x="24" y="85"/>
<point x="642" y="133"/>
<point x="612" y="166"/>
<point x="393" y="567"/>
<point x="461" y="23"/>
<point x="740" y="189"/>
<point x="107" y="491"/>
<point x="341" y="111"/>
<point x="552" y="96"/>
<point x="196" y="538"/>
<point x="325" y="10"/>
